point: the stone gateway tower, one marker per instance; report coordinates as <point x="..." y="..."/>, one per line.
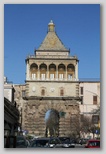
<point x="51" y="84"/>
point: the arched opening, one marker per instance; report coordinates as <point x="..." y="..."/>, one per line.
<point x="33" y="71"/>
<point x="61" y="71"/>
<point x="43" y="71"/>
<point x="52" y="71"/>
<point x="43" y="92"/>
<point x="52" y="123"/>
<point x="70" y="71"/>
<point x="61" y="92"/>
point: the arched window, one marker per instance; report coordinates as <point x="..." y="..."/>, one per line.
<point x="33" y="71"/>
<point x="52" y="71"/>
<point x="61" y="71"/>
<point x="61" y="92"/>
<point x="43" y="92"/>
<point x="70" y="71"/>
<point x="43" y="69"/>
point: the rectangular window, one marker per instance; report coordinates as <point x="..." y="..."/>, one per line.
<point x="95" y="119"/>
<point x="51" y="76"/>
<point x="42" y="92"/>
<point x="33" y="76"/>
<point x="23" y="93"/>
<point x="61" y="92"/>
<point x="69" y="76"/>
<point x="81" y="90"/>
<point x="60" y="76"/>
<point x="81" y="99"/>
<point x="43" y="76"/>
<point x="95" y="100"/>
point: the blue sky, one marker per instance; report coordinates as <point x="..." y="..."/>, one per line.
<point x="25" y="27"/>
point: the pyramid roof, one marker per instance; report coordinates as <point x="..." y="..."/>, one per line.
<point x="52" y="41"/>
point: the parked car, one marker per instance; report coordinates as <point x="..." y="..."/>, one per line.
<point x="21" y="142"/>
<point x="55" y="142"/>
<point x="28" y="143"/>
<point x="51" y="142"/>
<point x="67" y="142"/>
<point x="39" y="143"/>
<point x="83" y="141"/>
<point x="93" y="144"/>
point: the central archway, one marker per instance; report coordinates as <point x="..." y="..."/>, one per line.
<point x="52" y="123"/>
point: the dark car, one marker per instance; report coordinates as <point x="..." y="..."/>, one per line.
<point x="39" y="143"/>
<point x="93" y="144"/>
<point x="21" y="142"/>
<point x="55" y="142"/>
<point x="83" y="141"/>
<point x="67" y="142"/>
<point x="42" y="142"/>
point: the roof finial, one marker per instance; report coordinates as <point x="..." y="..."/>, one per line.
<point x="51" y="21"/>
<point x="51" y="26"/>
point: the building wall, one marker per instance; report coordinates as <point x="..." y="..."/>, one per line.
<point x="90" y="89"/>
<point x="11" y="112"/>
<point x="55" y="61"/>
<point x="8" y="93"/>
<point x="39" y="106"/>
<point x="35" y="111"/>
<point x="52" y="88"/>
<point x="8" y="90"/>
<point x="19" y="94"/>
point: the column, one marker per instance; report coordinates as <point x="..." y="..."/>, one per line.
<point x="66" y="72"/>
<point x="76" y="71"/>
<point x="47" y="73"/>
<point x="56" y="72"/>
<point x="27" y="71"/>
<point x="38" y="74"/>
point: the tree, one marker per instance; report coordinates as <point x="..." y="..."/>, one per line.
<point x="96" y="111"/>
<point x="87" y="125"/>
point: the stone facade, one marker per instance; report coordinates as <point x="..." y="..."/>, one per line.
<point x="51" y="83"/>
<point x="18" y="98"/>
<point x="35" y="110"/>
